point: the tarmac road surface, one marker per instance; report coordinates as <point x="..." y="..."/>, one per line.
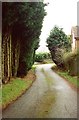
<point x="49" y="97"/>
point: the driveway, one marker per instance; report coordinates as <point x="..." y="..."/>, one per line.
<point x="49" y="97"/>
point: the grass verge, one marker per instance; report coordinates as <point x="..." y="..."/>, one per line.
<point x="15" y="88"/>
<point x="71" y="79"/>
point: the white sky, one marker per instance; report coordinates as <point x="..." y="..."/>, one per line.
<point x="62" y="13"/>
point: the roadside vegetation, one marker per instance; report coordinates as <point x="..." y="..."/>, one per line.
<point x="16" y="87"/>
<point x="58" y="43"/>
<point x="43" y="58"/>
<point x="21" y="23"/>
<point x="73" y="80"/>
<point x="66" y="61"/>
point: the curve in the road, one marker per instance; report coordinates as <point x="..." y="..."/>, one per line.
<point x="49" y="97"/>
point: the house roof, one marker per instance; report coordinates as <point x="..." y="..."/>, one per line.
<point x="75" y="31"/>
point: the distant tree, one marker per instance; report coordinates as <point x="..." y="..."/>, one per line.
<point x="40" y="57"/>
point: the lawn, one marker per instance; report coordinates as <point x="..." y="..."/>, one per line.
<point x="72" y="79"/>
<point x="15" y="88"/>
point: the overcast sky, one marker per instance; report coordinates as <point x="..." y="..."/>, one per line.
<point x="62" y="13"/>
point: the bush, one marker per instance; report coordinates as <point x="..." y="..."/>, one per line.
<point x="40" y="57"/>
<point x="57" y="57"/>
<point x="71" y="60"/>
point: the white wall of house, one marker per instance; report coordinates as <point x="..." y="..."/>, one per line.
<point x="73" y="42"/>
<point x="75" y="38"/>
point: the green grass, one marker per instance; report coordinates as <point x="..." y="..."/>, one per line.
<point x="12" y="90"/>
<point x="33" y="67"/>
<point x="15" y="88"/>
<point x="72" y="79"/>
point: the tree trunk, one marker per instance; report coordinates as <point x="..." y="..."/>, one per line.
<point x="17" y="54"/>
<point x="8" y="56"/>
<point x="3" y="59"/>
<point x="0" y="60"/>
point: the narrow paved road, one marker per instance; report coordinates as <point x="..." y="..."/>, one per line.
<point x="49" y="97"/>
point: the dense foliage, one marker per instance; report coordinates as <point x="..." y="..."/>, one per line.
<point x="71" y="60"/>
<point x="23" y="21"/>
<point x="57" y="39"/>
<point x="58" y="43"/>
<point x="40" y="57"/>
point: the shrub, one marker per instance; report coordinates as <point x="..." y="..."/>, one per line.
<point x="40" y="57"/>
<point x="71" y="60"/>
<point x="57" y="57"/>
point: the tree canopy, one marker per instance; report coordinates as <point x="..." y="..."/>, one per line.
<point x="57" y="43"/>
<point x="57" y="38"/>
<point x="23" y="22"/>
